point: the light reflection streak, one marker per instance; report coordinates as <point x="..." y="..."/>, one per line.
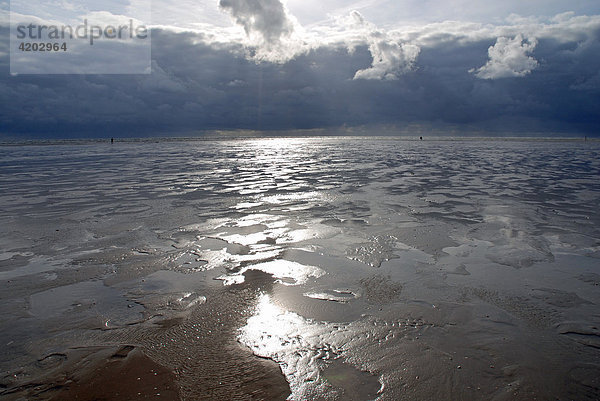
<point x="304" y="349"/>
<point x="287" y="272"/>
<point x="290" y="340"/>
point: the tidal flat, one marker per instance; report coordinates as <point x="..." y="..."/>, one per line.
<point x="300" y="268"/>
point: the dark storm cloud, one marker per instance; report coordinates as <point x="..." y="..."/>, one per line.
<point x="196" y="86"/>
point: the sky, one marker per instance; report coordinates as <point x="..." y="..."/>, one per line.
<point x="457" y="67"/>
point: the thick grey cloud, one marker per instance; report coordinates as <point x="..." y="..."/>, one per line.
<point x="198" y="84"/>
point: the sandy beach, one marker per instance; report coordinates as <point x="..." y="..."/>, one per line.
<point x="300" y="269"/>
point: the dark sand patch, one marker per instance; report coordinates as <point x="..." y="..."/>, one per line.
<point x="559" y="298"/>
<point x="380" y="290"/>
<point x="379" y="249"/>
<point x="523" y="308"/>
<point x="590" y="278"/>
<point x="581" y="332"/>
<point x="97" y="373"/>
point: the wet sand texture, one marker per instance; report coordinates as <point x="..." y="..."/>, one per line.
<point x="301" y="269"/>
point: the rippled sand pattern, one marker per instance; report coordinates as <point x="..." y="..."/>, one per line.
<point x="319" y="268"/>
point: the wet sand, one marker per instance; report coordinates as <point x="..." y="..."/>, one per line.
<point x="98" y="373"/>
<point x="318" y="268"/>
<point x="191" y="351"/>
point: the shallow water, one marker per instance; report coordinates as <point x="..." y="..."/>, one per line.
<point x="313" y="268"/>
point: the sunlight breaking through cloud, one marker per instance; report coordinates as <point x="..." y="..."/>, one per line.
<point x="270" y="29"/>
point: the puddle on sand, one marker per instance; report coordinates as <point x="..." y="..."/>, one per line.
<point x="287" y="272"/>
<point x="90" y="301"/>
<point x="356" y="385"/>
<point x="30" y="266"/>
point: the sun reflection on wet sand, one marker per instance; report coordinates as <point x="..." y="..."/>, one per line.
<point x="271" y="328"/>
<point x="282" y="336"/>
<point x="303" y="348"/>
<point x="286" y="272"/>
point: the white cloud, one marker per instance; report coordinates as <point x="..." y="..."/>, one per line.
<point x="508" y="58"/>
<point x="391" y="57"/>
